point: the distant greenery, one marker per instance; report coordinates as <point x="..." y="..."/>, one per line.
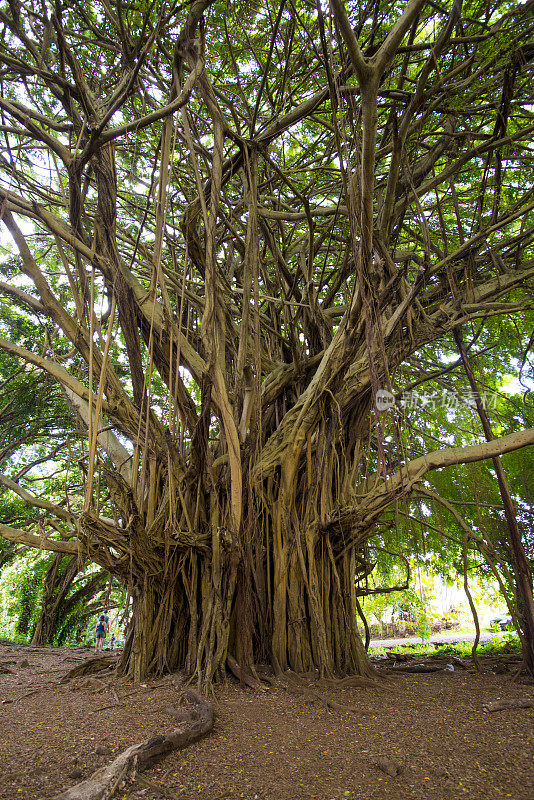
<point x="22" y="583"/>
<point x="20" y="587"/>
<point x="505" y="644"/>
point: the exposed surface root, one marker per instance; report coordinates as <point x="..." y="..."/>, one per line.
<point x="502" y="705"/>
<point x="296" y="683"/>
<point x="90" y="667"/>
<point x="420" y="667"/>
<point x="242" y="675"/>
<point x="352" y="682"/>
<point x="103" y="783"/>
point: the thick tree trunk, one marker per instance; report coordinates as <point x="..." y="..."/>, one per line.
<point x="180" y="619"/>
<point x="294" y="607"/>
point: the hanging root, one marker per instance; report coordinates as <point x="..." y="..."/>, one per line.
<point x="103" y="783"/>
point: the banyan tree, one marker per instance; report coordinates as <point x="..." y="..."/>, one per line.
<point x="233" y="223"/>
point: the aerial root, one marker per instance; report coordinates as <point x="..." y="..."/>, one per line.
<point x="103" y="783"/>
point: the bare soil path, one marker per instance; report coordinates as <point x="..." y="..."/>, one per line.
<point x="271" y="745"/>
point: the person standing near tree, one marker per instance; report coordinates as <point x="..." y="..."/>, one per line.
<point x="100" y="632"/>
<point x="106" y="621"/>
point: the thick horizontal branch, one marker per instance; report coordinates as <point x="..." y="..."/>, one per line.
<point x="295" y="216"/>
<point x="415" y="470"/>
<point x="37" y="132"/>
<point x="57" y="372"/>
<point x="32" y="500"/>
<point x="22" y="297"/>
<point x="40" y="542"/>
<point x="377" y="496"/>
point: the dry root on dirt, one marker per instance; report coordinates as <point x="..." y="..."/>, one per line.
<point x="298" y="684"/>
<point x="502" y="705"/>
<point x="90" y="667"/>
<point x="104" y="782"/>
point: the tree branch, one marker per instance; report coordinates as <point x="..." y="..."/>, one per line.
<point x="41" y="543"/>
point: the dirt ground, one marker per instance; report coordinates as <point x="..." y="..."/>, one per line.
<point x="271" y="745"/>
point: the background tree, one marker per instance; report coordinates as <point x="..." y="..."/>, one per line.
<point x="51" y="597"/>
<point x="240" y="226"/>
